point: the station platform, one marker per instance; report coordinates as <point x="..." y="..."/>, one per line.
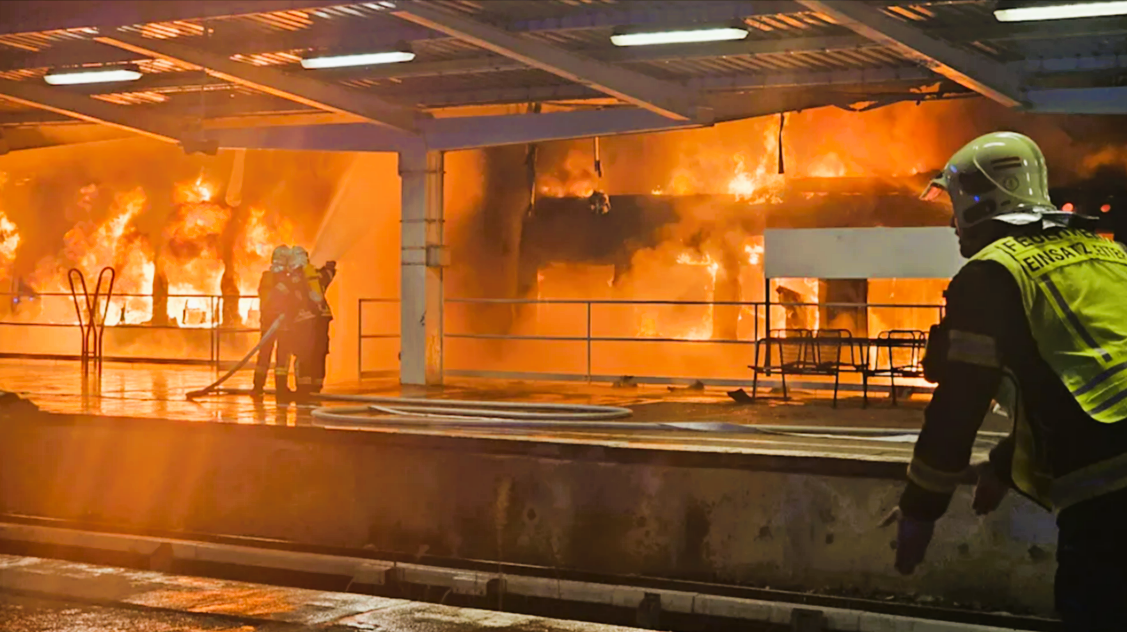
<point x="729" y="498"/>
<point x="158" y="392"/>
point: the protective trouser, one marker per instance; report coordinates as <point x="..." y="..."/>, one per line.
<point x="319" y="353"/>
<point x="1091" y="580"/>
<point x="265" y="354"/>
<point x="303" y="341"/>
<point x="284" y="355"/>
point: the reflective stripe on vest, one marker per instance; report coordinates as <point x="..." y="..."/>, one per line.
<point x="1071" y="282"/>
<point x="1074" y="288"/>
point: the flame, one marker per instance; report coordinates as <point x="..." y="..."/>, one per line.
<point x="9" y="240"/>
<point x="256" y="244"/>
<point x="758" y="185"/>
<point x="701" y="330"/>
<point x="188" y="252"/>
<point x="827" y="165"/>
<point x="754" y="253"/>
<point x="574" y="177"/>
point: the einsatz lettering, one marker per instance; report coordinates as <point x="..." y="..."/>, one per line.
<point x="1049" y="256"/>
<point x="1078" y="250"/>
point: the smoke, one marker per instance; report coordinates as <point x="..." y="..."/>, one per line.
<point x="723" y="187"/>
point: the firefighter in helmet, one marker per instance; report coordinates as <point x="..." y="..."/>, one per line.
<point x="1036" y="322"/>
<point x="310" y="332"/>
<point x="273" y="291"/>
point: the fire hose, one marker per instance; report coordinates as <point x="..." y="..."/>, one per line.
<point x="407" y="413"/>
<point x="266" y="337"/>
<point x="452" y="413"/>
<point x="406" y="409"/>
<point x="404" y="412"/>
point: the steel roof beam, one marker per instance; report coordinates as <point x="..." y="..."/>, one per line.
<point x="985" y="76"/>
<point x="670" y="13"/>
<point x="293" y="87"/>
<point x="86" y="52"/>
<point x="23" y="16"/>
<point x="1074" y="64"/>
<point x="572" y="91"/>
<point x="1102" y="101"/>
<point x="616" y="55"/>
<point x="668" y="99"/>
<point x="84" y="108"/>
<point x="488" y="131"/>
<point x="454" y="133"/>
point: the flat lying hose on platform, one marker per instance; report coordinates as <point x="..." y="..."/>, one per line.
<point x="406" y="412"/>
<point x="270" y="333"/>
<point x="504" y="415"/>
<point x="406" y="409"/>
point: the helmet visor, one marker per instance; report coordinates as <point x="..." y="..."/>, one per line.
<point x="935" y="189"/>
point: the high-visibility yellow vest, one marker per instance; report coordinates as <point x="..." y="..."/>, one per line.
<point x="1074" y="289"/>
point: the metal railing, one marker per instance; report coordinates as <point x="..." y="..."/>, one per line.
<point x="121" y="340"/>
<point x="92" y="320"/>
<point x="763" y="317"/>
<point x="382" y="371"/>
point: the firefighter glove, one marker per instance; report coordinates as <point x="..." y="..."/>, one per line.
<point x="912" y="539"/>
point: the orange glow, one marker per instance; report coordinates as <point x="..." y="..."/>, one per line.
<point x="828" y="165"/>
<point x="574" y="177"/>
<point x="1068" y="207"/>
<point x="189" y="253"/>
<point x="9" y="240"/>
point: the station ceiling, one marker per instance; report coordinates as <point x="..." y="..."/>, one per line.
<point x="230" y="71"/>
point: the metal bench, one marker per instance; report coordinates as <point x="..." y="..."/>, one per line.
<point x="825" y="352"/>
<point x="899" y="353"/>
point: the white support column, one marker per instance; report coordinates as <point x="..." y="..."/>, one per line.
<point x="421" y="261"/>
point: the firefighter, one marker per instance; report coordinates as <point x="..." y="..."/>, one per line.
<point x="310" y="333"/>
<point x="1036" y="322"/>
<point x="272" y="291"/>
<point x="324" y="318"/>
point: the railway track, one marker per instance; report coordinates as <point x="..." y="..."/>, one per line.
<point x="647" y="602"/>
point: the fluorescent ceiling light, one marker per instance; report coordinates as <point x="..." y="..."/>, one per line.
<point x="722" y="34"/>
<point x="91" y="75"/>
<point x="361" y="59"/>
<point x="1059" y="11"/>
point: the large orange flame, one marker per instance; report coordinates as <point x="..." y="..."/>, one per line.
<point x="189" y="252"/>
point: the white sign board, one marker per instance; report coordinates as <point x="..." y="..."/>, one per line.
<point x="861" y="253"/>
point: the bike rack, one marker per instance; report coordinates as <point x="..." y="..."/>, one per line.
<point x="92" y="323"/>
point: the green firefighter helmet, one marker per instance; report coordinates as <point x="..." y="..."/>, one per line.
<point x="280" y="258"/>
<point x="999" y="176"/>
<point x="298" y="257"/>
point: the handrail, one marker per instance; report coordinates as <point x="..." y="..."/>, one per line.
<point x="100" y="323"/>
<point x="586" y="336"/>
<point x="532" y="301"/>
<point x="92" y="327"/>
<point x="83" y="328"/>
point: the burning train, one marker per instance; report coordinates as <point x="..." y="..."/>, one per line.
<point x="664" y="233"/>
<point x="675" y="219"/>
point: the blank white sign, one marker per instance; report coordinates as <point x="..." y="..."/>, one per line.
<point x="861" y="253"/>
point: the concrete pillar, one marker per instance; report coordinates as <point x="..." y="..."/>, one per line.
<point x="421" y="261"/>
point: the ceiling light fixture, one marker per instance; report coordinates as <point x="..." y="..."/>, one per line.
<point x="358" y="59"/>
<point x="682" y="36"/>
<point x="75" y="76"/>
<point x="1030" y="11"/>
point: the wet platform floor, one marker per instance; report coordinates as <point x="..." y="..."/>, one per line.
<point x="159" y="392"/>
<point x="38" y="595"/>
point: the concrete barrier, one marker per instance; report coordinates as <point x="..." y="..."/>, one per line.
<point x="794" y="523"/>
